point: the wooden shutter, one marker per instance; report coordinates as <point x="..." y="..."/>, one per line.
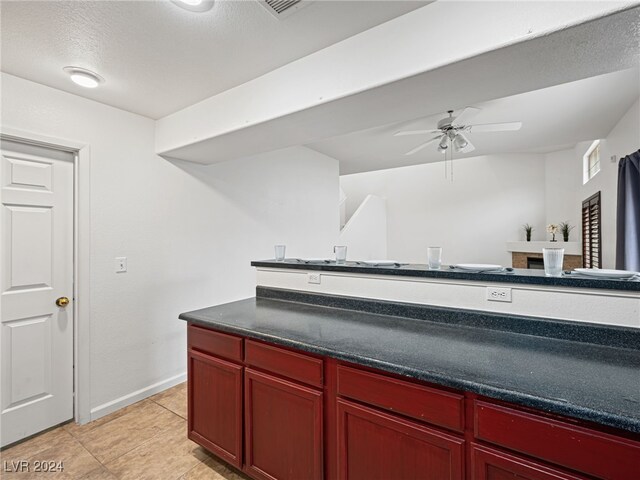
<point x="591" y="236"/>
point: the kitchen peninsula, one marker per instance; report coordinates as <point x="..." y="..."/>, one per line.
<point x="348" y="378"/>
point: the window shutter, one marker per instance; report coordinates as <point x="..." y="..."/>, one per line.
<point x="591" y="236"/>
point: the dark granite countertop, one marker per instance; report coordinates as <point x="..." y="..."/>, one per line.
<point x="576" y="378"/>
<point x="522" y="276"/>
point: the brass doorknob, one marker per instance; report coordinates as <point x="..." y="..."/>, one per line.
<point x="62" y="302"/>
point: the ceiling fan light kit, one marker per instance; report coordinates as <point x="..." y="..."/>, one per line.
<point x="459" y="143"/>
<point x="451" y="130"/>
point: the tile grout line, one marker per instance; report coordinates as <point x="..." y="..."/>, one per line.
<point x="169" y="410"/>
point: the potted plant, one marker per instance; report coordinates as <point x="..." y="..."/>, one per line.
<point x="527" y="230"/>
<point x="552" y="228"/>
<point x="565" y="229"/>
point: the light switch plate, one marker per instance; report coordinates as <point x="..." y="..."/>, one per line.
<point x="499" y="294"/>
<point x="121" y="264"/>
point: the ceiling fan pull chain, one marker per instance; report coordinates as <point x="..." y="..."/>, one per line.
<point x="445" y="166"/>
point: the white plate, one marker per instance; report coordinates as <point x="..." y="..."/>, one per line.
<point x="379" y="263"/>
<point x="605" y="273"/>
<point x="478" y="267"/>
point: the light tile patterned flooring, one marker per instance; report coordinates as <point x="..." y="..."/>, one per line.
<point x="147" y="440"/>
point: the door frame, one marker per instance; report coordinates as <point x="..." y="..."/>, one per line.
<point x="81" y="259"/>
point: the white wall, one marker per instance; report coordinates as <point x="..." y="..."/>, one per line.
<point x="563" y="179"/>
<point x="365" y="234"/>
<point x="189" y="231"/>
<point x="623" y="139"/>
<point x="609" y="307"/>
<point x="471" y="218"/>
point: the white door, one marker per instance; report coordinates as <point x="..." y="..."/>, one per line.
<point x="36" y="269"/>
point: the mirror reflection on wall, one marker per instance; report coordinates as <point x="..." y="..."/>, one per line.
<point x="559" y="167"/>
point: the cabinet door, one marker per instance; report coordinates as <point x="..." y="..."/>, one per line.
<point x="215" y="406"/>
<point x="490" y="464"/>
<point x="373" y="445"/>
<point x="283" y="429"/>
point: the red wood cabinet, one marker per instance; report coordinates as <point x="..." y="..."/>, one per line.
<point x="215" y="343"/>
<point x="430" y="405"/>
<point x="490" y="464"/>
<point x="283" y="432"/>
<point x="281" y="414"/>
<point x="293" y="365"/>
<point x="373" y="445"/>
<point x="215" y="406"/>
<point x="571" y="446"/>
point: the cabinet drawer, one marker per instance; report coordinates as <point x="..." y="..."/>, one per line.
<point x="594" y="453"/>
<point x="296" y="366"/>
<point x="490" y="464"/>
<point x="427" y="404"/>
<point x="215" y="343"/>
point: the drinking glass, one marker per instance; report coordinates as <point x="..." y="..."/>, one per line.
<point x="553" y="258"/>
<point x="341" y="254"/>
<point x="280" y="249"/>
<point x="434" y="255"/>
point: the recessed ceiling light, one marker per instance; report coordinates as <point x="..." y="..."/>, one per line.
<point x="194" y="5"/>
<point x="83" y="77"/>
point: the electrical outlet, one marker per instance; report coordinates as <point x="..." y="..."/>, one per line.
<point x="496" y="294"/>
<point x="121" y="264"/>
<point x="313" y="278"/>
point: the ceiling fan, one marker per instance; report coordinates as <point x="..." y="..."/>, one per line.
<point x="451" y="132"/>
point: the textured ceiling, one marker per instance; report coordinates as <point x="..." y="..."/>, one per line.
<point x="552" y="118"/>
<point x="158" y="58"/>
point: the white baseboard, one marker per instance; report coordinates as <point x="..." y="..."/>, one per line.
<point x="133" y="397"/>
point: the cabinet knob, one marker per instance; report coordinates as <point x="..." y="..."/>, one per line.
<point x="62" y="302"/>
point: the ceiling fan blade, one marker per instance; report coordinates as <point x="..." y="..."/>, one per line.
<point x="466" y="115"/>
<point x="423" y="145"/>
<point x="413" y="132"/>
<point x="469" y="147"/>
<point x="496" y="127"/>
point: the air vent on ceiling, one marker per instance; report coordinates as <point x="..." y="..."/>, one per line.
<point x="283" y="8"/>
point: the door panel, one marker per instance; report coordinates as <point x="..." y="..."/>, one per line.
<point x="29" y="234"/>
<point x="36" y="264"/>
<point x="283" y="429"/>
<point x="29" y="173"/>
<point x="29" y="343"/>
<point x="373" y="445"/>
<point x="215" y="405"/>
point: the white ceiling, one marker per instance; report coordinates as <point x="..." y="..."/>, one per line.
<point x="158" y="58"/>
<point x="553" y="118"/>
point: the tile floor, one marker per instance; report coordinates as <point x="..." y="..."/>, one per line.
<point x="147" y="440"/>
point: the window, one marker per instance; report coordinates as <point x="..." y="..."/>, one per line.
<point x="591" y="162"/>
<point x="591" y="239"/>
